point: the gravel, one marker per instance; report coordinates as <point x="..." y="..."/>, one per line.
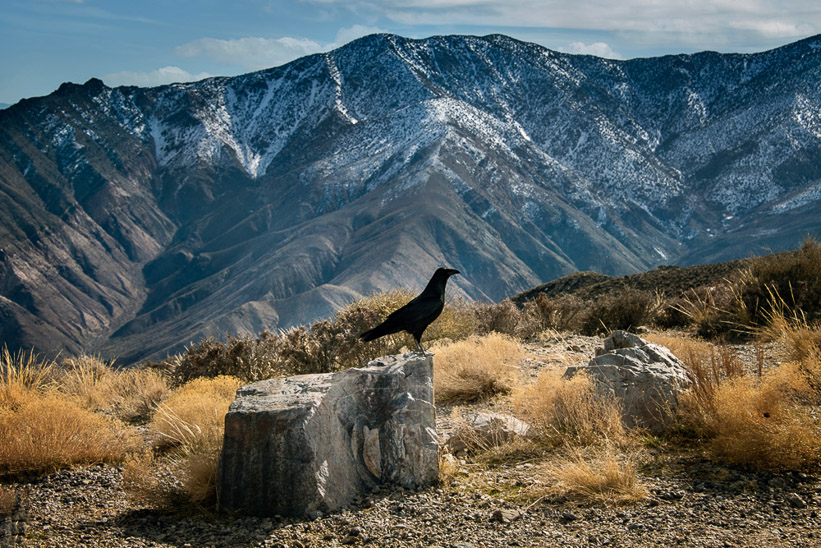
<point x="691" y="504"/>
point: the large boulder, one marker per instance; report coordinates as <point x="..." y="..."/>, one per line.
<point x="301" y="445"/>
<point x="645" y="379"/>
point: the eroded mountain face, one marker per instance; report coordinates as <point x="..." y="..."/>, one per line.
<point x="134" y="221"/>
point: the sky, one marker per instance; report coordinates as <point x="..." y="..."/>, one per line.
<point x="152" y="42"/>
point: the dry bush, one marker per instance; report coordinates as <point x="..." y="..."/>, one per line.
<point x="767" y="424"/>
<point x="793" y="279"/>
<point x="88" y="379"/>
<point x="766" y="420"/>
<point x="603" y="478"/>
<point x="137" y="393"/>
<point x="475" y="368"/>
<point x="21" y="373"/>
<point x="326" y="345"/>
<point x="713" y="311"/>
<point x="627" y="311"/>
<point x="708" y="366"/>
<point x="190" y="424"/>
<point x="46" y="432"/>
<point x="199" y="405"/>
<point x="569" y="412"/>
<point x="563" y="313"/>
<point x="242" y="357"/>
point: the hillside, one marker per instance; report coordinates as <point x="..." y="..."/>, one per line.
<point x="134" y="221"/>
<point x="671" y="281"/>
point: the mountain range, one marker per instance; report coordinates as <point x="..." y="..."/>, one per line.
<point x="134" y="221"/>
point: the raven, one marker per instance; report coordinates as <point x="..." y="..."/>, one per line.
<point x="418" y="314"/>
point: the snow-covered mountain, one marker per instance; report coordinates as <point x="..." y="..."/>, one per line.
<point x="134" y="221"/>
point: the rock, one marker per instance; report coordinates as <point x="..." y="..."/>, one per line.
<point x="504" y="516"/>
<point x="486" y="429"/>
<point x="796" y="501"/>
<point x="314" y="443"/>
<point x="645" y="379"/>
<point x="13" y="518"/>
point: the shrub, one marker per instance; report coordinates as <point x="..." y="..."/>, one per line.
<point x="569" y="411"/>
<point x="708" y="366"/>
<point x="46" y="432"/>
<point x="564" y="313"/>
<point x="327" y="345"/>
<point x="788" y="280"/>
<point x="766" y="425"/>
<point x="765" y="420"/>
<point x="475" y="368"/>
<point x="712" y="310"/>
<point x="627" y="311"/>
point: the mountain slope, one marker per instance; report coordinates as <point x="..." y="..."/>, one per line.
<point x="134" y="221"/>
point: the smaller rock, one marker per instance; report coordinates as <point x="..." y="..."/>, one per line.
<point x="568" y="516"/>
<point x="485" y="429"/>
<point x="504" y="516"/>
<point x="796" y="501"/>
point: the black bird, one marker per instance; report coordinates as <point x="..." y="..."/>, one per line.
<point x="418" y="314"/>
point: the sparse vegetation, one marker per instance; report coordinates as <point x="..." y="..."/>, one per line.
<point x="475" y="368"/>
<point x="569" y="412"/>
<point x="604" y="477"/>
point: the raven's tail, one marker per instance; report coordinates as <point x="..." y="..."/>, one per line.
<point x="373" y="334"/>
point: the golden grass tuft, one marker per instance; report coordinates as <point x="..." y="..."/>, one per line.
<point x="190" y="424"/>
<point x="46" y="432"/>
<point x="761" y="424"/>
<point x="130" y="394"/>
<point x="603" y="478"/>
<point x="21" y="373"/>
<point x="475" y="368"/>
<point x="569" y="411"/>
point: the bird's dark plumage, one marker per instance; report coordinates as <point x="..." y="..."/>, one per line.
<point x="418" y="314"/>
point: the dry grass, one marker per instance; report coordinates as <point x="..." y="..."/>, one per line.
<point x="45" y="432"/>
<point x="190" y="425"/>
<point x="130" y="394"/>
<point x="602" y="478"/>
<point x="21" y="373"/>
<point x="569" y="412"/>
<point x="475" y="368"/>
<point x="766" y="419"/>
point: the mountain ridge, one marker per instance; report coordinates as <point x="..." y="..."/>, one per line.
<point x="136" y="220"/>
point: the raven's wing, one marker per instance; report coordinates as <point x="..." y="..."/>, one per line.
<point x="414" y="316"/>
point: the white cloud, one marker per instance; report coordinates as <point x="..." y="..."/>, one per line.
<point x="695" y="23"/>
<point x="251" y="53"/>
<point x="599" y="49"/>
<point x="164" y="75"/>
<point x="348" y="34"/>
<point x="255" y="53"/>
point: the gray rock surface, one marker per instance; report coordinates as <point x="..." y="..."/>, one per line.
<point x="307" y="444"/>
<point x="645" y="378"/>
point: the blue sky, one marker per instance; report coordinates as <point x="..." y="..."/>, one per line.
<point x="152" y="42"/>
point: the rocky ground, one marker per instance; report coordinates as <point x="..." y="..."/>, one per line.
<point x="692" y="502"/>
